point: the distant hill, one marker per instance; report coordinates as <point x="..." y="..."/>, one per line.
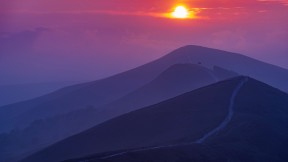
<point x="10" y="94"/>
<point x="176" y="80"/>
<point x="105" y="91"/>
<point x="99" y="99"/>
<point x="241" y="64"/>
<point x="240" y="118"/>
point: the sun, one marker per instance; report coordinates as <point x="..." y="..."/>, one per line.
<point x="181" y="12"/>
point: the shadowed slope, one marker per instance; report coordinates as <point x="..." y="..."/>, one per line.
<point x="241" y="64"/>
<point x="105" y="91"/>
<point x="97" y="94"/>
<point x="174" y="81"/>
<point x="183" y="119"/>
<point x="257" y="131"/>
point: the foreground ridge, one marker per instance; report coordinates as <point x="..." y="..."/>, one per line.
<point x="206" y="136"/>
<point x="229" y="115"/>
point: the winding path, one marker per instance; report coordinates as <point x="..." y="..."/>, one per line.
<point x="229" y="115"/>
<point x="207" y="135"/>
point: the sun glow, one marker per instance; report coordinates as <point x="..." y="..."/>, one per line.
<point x="181" y="12"/>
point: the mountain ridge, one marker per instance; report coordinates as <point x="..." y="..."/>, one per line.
<point x="225" y="87"/>
<point x="142" y="75"/>
<point x="105" y="91"/>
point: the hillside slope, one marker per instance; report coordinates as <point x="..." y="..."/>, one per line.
<point x="256" y="131"/>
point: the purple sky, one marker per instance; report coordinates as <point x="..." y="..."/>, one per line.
<point x="72" y="40"/>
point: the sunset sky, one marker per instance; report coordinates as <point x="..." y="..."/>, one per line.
<point x="75" y="40"/>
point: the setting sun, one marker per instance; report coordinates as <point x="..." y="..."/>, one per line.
<point x="181" y="12"/>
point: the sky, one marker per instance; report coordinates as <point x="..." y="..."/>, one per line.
<point x="81" y="40"/>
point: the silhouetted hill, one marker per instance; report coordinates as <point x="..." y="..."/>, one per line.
<point x="257" y="132"/>
<point x="104" y="91"/>
<point x="179" y="153"/>
<point x="233" y="117"/>
<point x="20" y="92"/>
<point x="101" y="92"/>
<point x="98" y="94"/>
<point x="222" y="73"/>
<point x="176" y="80"/>
<point x="241" y="64"/>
